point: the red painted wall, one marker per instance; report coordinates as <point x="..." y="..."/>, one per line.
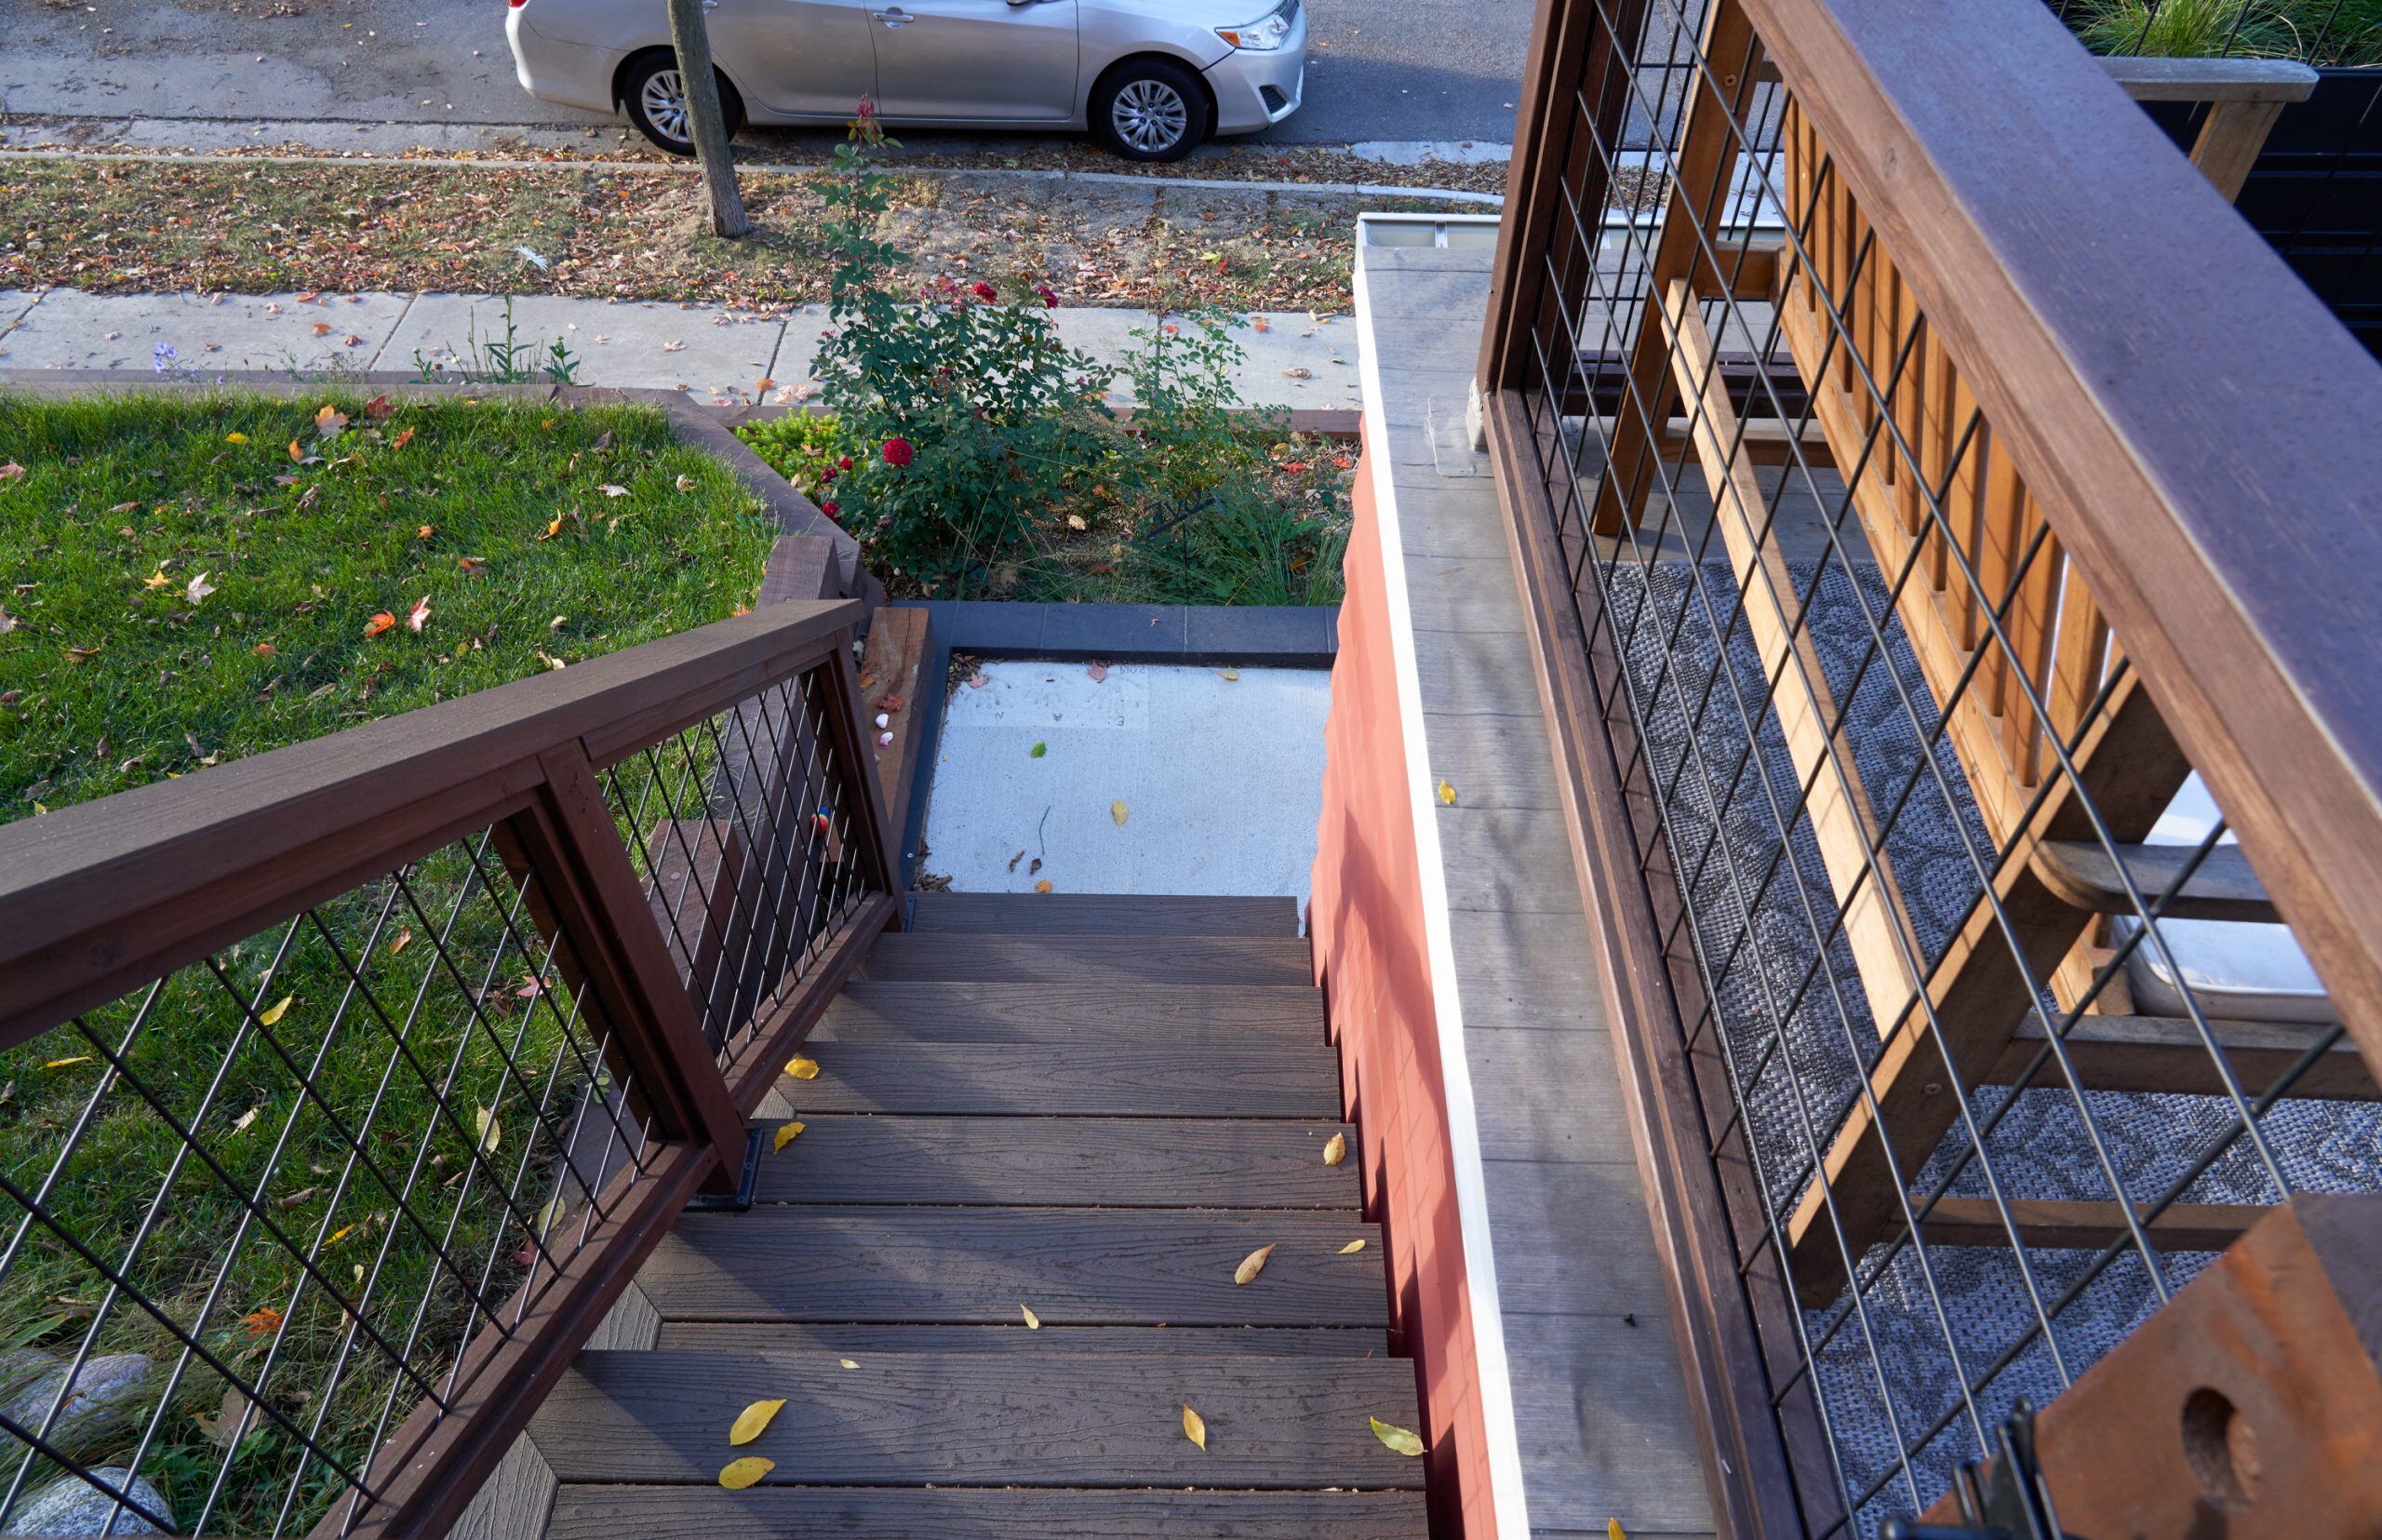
<point x="1366" y="922"/>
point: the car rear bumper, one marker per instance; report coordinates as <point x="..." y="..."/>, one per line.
<point x="1254" y="91"/>
<point x="570" y="75"/>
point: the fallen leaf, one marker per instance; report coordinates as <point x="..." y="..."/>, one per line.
<point x="1336" y="1149"/>
<point x="847" y="1363"/>
<point x="609" y="489"/>
<point x="402" y="439"/>
<point x="753" y="1421"/>
<point x="786" y="1132"/>
<point x="260" y="1320"/>
<point x="425" y="531"/>
<point x="1075" y="521"/>
<point x="321" y="327"/>
<point x="764" y="385"/>
<point x="198" y="588"/>
<point x="296" y="454"/>
<point x="378" y="408"/>
<point x="158" y="578"/>
<point x="1612" y="1530"/>
<point x="1251" y="1265"/>
<point x="264" y="650"/>
<point x="1401" y="1440"/>
<point x="1033" y="1321"/>
<point x="379" y="623"/>
<point x="1116" y="811"/>
<point x="420" y="615"/>
<point x="1353" y="1247"/>
<point x="273" y="1012"/>
<point x="62" y="1063"/>
<point x="484" y="1122"/>
<point x="1038" y="751"/>
<point x="341" y="1234"/>
<point x="1097" y="672"/>
<point x="11" y="470"/>
<point x="802" y="1069"/>
<point x="241" y="1123"/>
<point x="978" y="680"/>
<point x="1298" y="374"/>
<point x="1043" y="886"/>
<point x="1228" y="676"/>
<point x="405" y="939"/>
<point x="1447" y="793"/>
<point x="736" y="1475"/>
<point x="1194" y="1427"/>
<point x="328" y="422"/>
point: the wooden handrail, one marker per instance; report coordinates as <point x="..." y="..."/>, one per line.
<point x="2204" y="437"/>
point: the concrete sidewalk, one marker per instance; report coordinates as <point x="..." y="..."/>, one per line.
<point x="712" y="352"/>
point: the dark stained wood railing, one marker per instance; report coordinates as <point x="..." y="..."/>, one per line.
<point x="1947" y="448"/>
<point x="528" y="844"/>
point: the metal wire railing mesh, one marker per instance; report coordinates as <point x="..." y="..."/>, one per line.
<point x="742" y="833"/>
<point x="277" y="1215"/>
<point x="256" y="1207"/>
<point x="1945" y="908"/>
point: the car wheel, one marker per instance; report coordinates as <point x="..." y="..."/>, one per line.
<point x="1150" y="110"/>
<point x="657" y="104"/>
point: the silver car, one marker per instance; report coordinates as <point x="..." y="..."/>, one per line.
<point x="1151" y="78"/>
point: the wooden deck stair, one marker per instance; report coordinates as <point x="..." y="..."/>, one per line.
<point x="1090" y="1108"/>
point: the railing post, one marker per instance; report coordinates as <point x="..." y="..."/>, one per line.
<point x="569" y="838"/>
<point x="852" y="754"/>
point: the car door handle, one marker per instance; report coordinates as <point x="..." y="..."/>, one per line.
<point x="897" y="17"/>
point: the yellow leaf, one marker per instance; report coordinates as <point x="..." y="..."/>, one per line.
<point x="1043" y="886"/>
<point x="736" y="1475"/>
<point x="1353" y="1247"/>
<point x="1228" y="675"/>
<point x="1251" y="1265"/>
<point x="338" y="1235"/>
<point x="485" y="1121"/>
<point x="548" y="1216"/>
<point x="802" y="1069"/>
<point x="235" y="439"/>
<point x="1447" y="793"/>
<point x="753" y="1421"/>
<point x="1116" y="811"/>
<point x="1194" y="1427"/>
<point x="405" y="939"/>
<point x="62" y="1063"/>
<point x="786" y="1132"/>
<point x="1033" y="1321"/>
<point x="158" y="579"/>
<point x="847" y="1363"/>
<point x="275" y="1011"/>
<point x="1399" y="1440"/>
<point x="1336" y="1150"/>
<point x="1612" y="1530"/>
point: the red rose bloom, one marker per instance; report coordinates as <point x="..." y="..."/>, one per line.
<point x="831" y="509"/>
<point x="1050" y="300"/>
<point x="844" y="463"/>
<point x="897" y="451"/>
<point x="827" y="475"/>
<point x="983" y="291"/>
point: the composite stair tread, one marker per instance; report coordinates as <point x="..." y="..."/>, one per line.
<point x="1148" y="1014"/>
<point x="1153" y="1162"/>
<point x="1103" y="913"/>
<point x="843" y="1339"/>
<point x="1243" y="1077"/>
<point x="1071" y="1266"/>
<point x="957" y="1419"/>
<point x="1091" y="958"/>
<point x="609" y="1512"/>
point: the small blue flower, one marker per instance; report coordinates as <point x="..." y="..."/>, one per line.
<point x="162" y="357"/>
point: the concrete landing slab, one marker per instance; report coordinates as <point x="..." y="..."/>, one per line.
<point x="647" y="343"/>
<point x="71" y="329"/>
<point x="1294" y="359"/>
<point x="1221" y="780"/>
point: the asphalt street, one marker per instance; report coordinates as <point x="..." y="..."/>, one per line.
<point x="1378" y="69"/>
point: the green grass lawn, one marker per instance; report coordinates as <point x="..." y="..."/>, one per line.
<point x="181" y="591"/>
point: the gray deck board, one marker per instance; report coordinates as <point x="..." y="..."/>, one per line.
<point x="960" y="1419"/>
<point x="846" y="1340"/>
<point x="771" y="1513"/>
<point x="1103" y="915"/>
<point x="1119" y="1078"/>
<point x="1141" y="1163"/>
<point x="1091" y="959"/>
<point x="1599" y="1405"/>
<point x="957" y="1011"/>
<point x="1072" y="1267"/>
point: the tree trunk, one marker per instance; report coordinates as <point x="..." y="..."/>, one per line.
<point x="689" y="36"/>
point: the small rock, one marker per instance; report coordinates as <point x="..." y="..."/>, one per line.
<point x="72" y="1505"/>
<point x="103" y="1405"/>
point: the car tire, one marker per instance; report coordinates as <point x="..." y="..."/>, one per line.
<point x="649" y="91"/>
<point x="1150" y="110"/>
